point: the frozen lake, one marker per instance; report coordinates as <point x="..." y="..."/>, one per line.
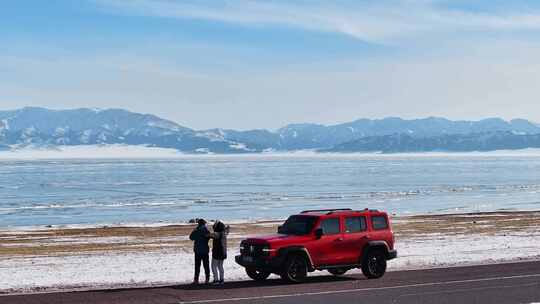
<point x="114" y="191"/>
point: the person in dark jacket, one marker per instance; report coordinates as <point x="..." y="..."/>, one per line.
<point x="219" y="250"/>
<point x="200" y="237"/>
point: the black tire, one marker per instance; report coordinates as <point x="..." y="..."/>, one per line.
<point x="257" y="274"/>
<point x="374" y="264"/>
<point x="338" y="271"/>
<point x="295" y="270"/>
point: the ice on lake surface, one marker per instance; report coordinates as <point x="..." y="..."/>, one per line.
<point x="110" y="191"/>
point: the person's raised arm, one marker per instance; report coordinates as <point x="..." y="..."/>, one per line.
<point x="205" y="232"/>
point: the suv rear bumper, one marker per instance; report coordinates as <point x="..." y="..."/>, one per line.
<point x="392" y="254"/>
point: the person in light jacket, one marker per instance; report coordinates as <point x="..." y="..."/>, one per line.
<point x="219" y="250"/>
<point x="200" y="237"/>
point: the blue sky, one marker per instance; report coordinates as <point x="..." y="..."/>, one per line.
<point x="262" y="64"/>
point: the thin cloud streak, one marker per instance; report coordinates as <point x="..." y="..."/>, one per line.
<point x="384" y="22"/>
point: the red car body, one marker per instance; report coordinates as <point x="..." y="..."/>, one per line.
<point x="335" y="240"/>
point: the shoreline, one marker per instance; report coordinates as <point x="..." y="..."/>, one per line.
<point x="143" y="152"/>
<point x="162" y="224"/>
<point x="121" y="257"/>
<point x="62" y="239"/>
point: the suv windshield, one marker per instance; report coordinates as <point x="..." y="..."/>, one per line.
<point x="298" y="225"/>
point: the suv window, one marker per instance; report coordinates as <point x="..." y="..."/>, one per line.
<point x="355" y="224"/>
<point x="379" y="222"/>
<point x="330" y="226"/>
<point x="298" y="225"/>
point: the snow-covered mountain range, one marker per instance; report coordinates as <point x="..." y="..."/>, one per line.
<point x="39" y="127"/>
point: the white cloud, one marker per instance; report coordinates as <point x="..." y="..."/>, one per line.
<point x="455" y="76"/>
<point x="467" y="86"/>
<point x="372" y="21"/>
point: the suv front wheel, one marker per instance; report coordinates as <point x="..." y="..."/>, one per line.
<point x="256" y="274"/>
<point x="295" y="269"/>
<point x="374" y="264"/>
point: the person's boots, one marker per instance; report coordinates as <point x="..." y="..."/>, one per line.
<point x="195" y="281"/>
<point x="207" y="279"/>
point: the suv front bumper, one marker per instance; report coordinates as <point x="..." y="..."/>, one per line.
<point x="259" y="262"/>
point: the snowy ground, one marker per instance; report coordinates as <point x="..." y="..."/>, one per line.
<point x="165" y="266"/>
<point x="88" y="151"/>
<point x="107" y="151"/>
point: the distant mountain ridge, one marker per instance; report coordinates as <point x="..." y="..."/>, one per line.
<point x="316" y="136"/>
<point x="43" y="127"/>
<point x="403" y="143"/>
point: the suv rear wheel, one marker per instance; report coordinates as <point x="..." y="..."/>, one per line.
<point x="295" y="269"/>
<point x="256" y="274"/>
<point x="338" y="271"/>
<point x="374" y="264"/>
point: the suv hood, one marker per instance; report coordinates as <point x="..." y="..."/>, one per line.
<point x="277" y="239"/>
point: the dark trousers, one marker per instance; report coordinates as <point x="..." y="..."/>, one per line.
<point x="205" y="261"/>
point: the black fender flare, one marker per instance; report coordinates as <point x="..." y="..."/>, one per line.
<point x="381" y="245"/>
<point x="283" y="253"/>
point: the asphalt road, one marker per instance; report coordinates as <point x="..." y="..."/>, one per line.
<point x="496" y="284"/>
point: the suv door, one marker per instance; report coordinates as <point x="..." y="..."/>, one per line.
<point x="380" y="228"/>
<point x="355" y="237"/>
<point x="328" y="249"/>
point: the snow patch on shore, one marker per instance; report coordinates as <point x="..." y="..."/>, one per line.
<point x="89" y="152"/>
<point x="121" y="151"/>
<point x="174" y="266"/>
<point x="442" y="250"/>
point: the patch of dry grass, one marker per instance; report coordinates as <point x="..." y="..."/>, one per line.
<point x="54" y="242"/>
<point x="473" y="223"/>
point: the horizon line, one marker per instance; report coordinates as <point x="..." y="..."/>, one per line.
<point x="98" y="109"/>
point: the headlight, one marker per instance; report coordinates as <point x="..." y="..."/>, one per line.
<point x="266" y="250"/>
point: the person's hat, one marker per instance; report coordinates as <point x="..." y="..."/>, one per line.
<point x="201" y="222"/>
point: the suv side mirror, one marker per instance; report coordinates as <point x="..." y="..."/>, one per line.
<point x="280" y="229"/>
<point x="318" y="233"/>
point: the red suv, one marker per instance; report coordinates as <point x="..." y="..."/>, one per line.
<point x="336" y="240"/>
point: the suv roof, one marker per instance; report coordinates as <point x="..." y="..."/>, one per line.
<point x="339" y="211"/>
